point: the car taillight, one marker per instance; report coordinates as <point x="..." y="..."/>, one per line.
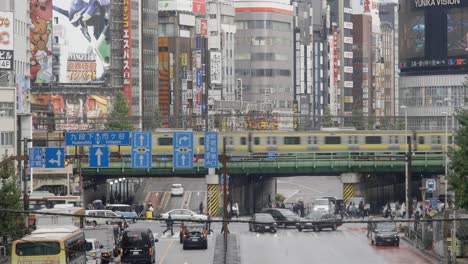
<point x="204" y="234"/>
<point x="150" y="250"/>
<point x="121" y="251"/>
<point x="105" y="254"/>
<point x="185" y="235"/>
<point x="94" y="254"/>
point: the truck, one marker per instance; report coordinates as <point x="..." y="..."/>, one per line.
<point x="109" y="237"/>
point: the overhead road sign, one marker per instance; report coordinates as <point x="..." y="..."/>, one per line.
<point x="182" y="150"/>
<point x="36" y="158"/>
<point x="98" y="157"/>
<point x="55" y="157"/>
<point x="141" y="150"/>
<point x="83" y="138"/>
<point x="211" y="149"/>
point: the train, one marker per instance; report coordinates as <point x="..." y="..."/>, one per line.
<point x="243" y="142"/>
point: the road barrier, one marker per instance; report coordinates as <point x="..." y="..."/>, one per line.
<point x="213" y="199"/>
<point x="348" y="192"/>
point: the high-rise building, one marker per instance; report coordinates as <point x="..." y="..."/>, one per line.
<point x="433" y="62"/>
<point x="388" y="12"/>
<point x="341" y="57"/>
<point x="264" y="51"/>
<point x="143" y="30"/>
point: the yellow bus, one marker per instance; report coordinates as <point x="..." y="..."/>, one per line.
<point x="57" y="245"/>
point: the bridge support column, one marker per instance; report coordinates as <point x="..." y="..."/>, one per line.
<point x="213" y="194"/>
<point x="350" y="185"/>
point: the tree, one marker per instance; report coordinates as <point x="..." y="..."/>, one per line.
<point x="458" y="178"/>
<point x="358" y="119"/>
<point x="118" y="119"/>
<point x="10" y="223"/>
<point x="156" y="118"/>
<point x="327" y="118"/>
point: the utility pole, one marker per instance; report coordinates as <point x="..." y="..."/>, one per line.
<point x="24" y="179"/>
<point x="224" y="159"/>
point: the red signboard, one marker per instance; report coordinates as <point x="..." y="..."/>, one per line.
<point x="204" y="27"/>
<point x="367" y="6"/>
<point x="127" y="53"/>
<point x="335" y="56"/>
<point x="199" y="7"/>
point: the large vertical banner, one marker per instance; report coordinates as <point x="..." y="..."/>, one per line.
<point x="127" y="53"/>
<point x="81" y="41"/>
<point x="6" y="40"/>
<point x="40" y="35"/>
<point x="215" y="69"/>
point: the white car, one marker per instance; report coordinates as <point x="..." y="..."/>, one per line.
<point x="183" y="214"/>
<point x="93" y="251"/>
<point x="322" y="205"/>
<point x="177" y="189"/>
<point x="108" y="218"/>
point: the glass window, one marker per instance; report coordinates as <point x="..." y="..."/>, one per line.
<point x="435" y="139"/>
<point x="243" y="141"/>
<point x="256" y="140"/>
<point x="7" y="138"/>
<point x="165" y="141"/>
<point x="201" y="141"/>
<point x="6" y="109"/>
<point x="374" y="140"/>
<point x="37" y="249"/>
<point x="421" y="140"/>
<point x="292" y="141"/>
<point x="332" y="140"/>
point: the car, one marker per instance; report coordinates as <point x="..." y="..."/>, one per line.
<point x="104" y="217"/>
<point x="138" y="246"/>
<point x="336" y="202"/>
<point x="318" y="221"/>
<point x="262" y="222"/>
<point x="184" y="215"/>
<point x="93" y="251"/>
<point x="109" y="240"/>
<point x="177" y="189"/>
<point x="323" y="205"/>
<point x="123" y="210"/>
<point x="384" y="233"/>
<point x="283" y="217"/>
<point x="194" y="235"/>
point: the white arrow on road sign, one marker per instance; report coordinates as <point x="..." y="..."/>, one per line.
<point x="98" y="156"/>
<point x="183" y="139"/>
<point x="141" y="160"/>
<point x="57" y="161"/>
<point x="183" y="160"/>
<point x="142" y="139"/>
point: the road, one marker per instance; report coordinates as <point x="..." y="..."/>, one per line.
<point x="309" y="188"/>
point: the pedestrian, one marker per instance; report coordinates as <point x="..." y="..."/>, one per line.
<point x="208" y="225"/>
<point x="222" y="228"/>
<point x="361" y="209"/>
<point x="149" y="212"/>
<point x="341" y="210"/>
<point x="235" y="210"/>
<point x="370" y="226"/>
<point x="417" y="217"/>
<point x="169" y="225"/>
<point x="201" y="207"/>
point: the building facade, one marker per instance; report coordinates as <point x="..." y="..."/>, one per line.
<point x="264" y="51"/>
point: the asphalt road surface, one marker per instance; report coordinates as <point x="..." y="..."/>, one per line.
<point x="308" y="188"/>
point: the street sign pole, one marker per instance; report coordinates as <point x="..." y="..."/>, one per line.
<point x="223" y="159"/>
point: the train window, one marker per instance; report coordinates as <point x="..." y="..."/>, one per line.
<point x="421" y="140"/>
<point x="292" y="140"/>
<point x="309" y="140"/>
<point x="268" y="142"/>
<point x="256" y="140"/>
<point x="201" y="141"/>
<point x="315" y="140"/>
<point x="273" y="140"/>
<point x="393" y="140"/>
<point x="165" y="141"/>
<point x="435" y="140"/>
<point x="312" y="140"/>
<point x="373" y="140"/>
<point x="229" y="141"/>
<point x="332" y="140"/>
<point x="243" y="141"/>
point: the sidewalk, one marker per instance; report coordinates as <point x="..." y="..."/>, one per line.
<point x="428" y="253"/>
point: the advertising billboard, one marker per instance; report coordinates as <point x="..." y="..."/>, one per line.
<point x="69" y="112"/>
<point x="127" y="53"/>
<point x="82" y="41"/>
<point x="457" y="31"/>
<point x="215" y="67"/>
<point x="175" y="5"/>
<point x="199" y="7"/>
<point x="6" y="40"/>
<point x="40" y="35"/>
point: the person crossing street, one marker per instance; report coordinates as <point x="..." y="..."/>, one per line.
<point x="169" y="225"/>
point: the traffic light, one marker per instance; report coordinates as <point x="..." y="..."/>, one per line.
<point x="195" y="158"/>
<point x="66" y="162"/>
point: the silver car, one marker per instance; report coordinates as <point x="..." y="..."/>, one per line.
<point x="183" y="214"/>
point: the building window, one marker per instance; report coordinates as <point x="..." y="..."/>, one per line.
<point x="7" y="138"/>
<point x="6" y="109"/>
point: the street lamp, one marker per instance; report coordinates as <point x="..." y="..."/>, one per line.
<point x="446" y="157"/>
<point x="423" y="225"/>
<point x="406" y="163"/>
<point x="111" y="194"/>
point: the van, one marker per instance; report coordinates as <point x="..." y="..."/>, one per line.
<point x="138" y="246"/>
<point x="109" y="239"/>
<point x="93" y="251"/>
<point x="104" y="217"/>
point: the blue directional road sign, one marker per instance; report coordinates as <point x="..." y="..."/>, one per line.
<point x="97" y="138"/>
<point x="36" y="159"/>
<point x="430" y="185"/>
<point x="182" y="150"/>
<point x="98" y="157"/>
<point x="141" y="150"/>
<point x="211" y="149"/>
<point x="55" y="157"/>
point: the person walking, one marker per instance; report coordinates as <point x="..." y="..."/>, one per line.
<point x="200" y="208"/>
<point x="361" y="209"/>
<point x="208" y="225"/>
<point x="149" y="212"/>
<point x="169" y="225"/>
<point x="370" y="226"/>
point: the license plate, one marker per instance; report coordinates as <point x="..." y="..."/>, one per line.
<point x="136" y="253"/>
<point x="267" y="227"/>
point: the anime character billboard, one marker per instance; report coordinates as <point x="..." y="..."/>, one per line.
<point x="81" y="30"/>
<point x="40" y="34"/>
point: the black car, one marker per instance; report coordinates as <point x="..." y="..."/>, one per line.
<point x="318" y="221"/>
<point x="194" y="235"/>
<point x="138" y="246"/>
<point x="262" y="222"/>
<point x="283" y="217"/>
<point x="385" y="233"/>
